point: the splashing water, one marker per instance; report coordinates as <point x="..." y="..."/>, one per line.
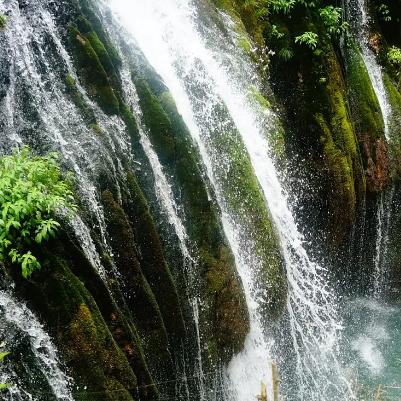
<point x="202" y="73"/>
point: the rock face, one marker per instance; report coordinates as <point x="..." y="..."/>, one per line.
<point x="377" y="173"/>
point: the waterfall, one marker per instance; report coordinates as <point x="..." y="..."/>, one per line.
<point x="384" y="208"/>
<point x="18" y="321"/>
<point x="166" y="34"/>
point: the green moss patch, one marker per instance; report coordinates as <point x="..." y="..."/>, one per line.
<point x="142" y="303"/>
<point x="153" y="264"/>
<point x="369" y="125"/>
<point x="90" y="352"/>
<point x="157" y="121"/>
<point x="93" y="74"/>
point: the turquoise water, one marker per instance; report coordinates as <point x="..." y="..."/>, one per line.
<point x="371" y="349"/>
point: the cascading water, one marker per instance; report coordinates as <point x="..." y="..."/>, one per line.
<point x="167" y="35"/>
<point x="37" y="72"/>
<point x="382" y="238"/>
<point x="20" y="329"/>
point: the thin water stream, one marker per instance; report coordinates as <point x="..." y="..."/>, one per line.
<point x="19" y="328"/>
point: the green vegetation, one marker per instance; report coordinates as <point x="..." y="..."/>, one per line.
<point x="88" y="60"/>
<point x="383" y="12"/>
<point x="4" y="385"/>
<point x="394" y="56"/>
<point x="331" y="17"/>
<point x="308" y="38"/>
<point x="3" y="21"/>
<point x="32" y="191"/>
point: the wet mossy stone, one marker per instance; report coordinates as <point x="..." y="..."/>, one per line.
<point x="394" y="98"/>
<point x="97" y="25"/>
<point x="92" y="356"/>
<point x="92" y="72"/>
<point x="153" y="264"/>
<point x="157" y="121"/>
<point x="3" y="21"/>
<point x="72" y="90"/>
<point x="102" y="52"/>
<point x="204" y="226"/>
<point x="139" y="297"/>
<point x="368" y="119"/>
<point x="319" y="132"/>
<point x="201" y="214"/>
<point x="113" y="308"/>
<point x="130" y="124"/>
<point x="226" y="299"/>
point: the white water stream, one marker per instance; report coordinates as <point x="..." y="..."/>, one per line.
<point x="41" y="346"/>
<point x="166" y="33"/>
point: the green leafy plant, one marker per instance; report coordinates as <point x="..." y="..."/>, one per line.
<point x="308" y="4"/>
<point x="308" y="38"/>
<point x="383" y="12"/>
<point x="32" y="192"/>
<point x="4" y="385"/>
<point x="284" y="6"/>
<point x="3" y="21"/>
<point x="331" y="17"/>
<point x="285" y="53"/>
<point x="275" y="33"/>
<point x="394" y="55"/>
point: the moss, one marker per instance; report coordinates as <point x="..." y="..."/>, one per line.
<point x="368" y="118"/>
<point x="143" y="305"/>
<point x="93" y="74"/>
<point x="153" y="264"/>
<point x="78" y="100"/>
<point x="72" y="316"/>
<point x="130" y="124"/>
<point x="97" y="129"/>
<point x="247" y="204"/>
<point x="319" y="133"/>
<point x="394" y="98"/>
<point x="255" y="94"/>
<point x="97" y="25"/>
<point x="101" y="52"/>
<point x="157" y="121"/>
<point x="3" y="21"/>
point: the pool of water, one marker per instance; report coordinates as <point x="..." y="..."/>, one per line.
<point x="371" y="348"/>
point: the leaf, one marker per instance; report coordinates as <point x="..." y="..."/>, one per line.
<point x="2" y="355"/>
<point x="4" y="385"/>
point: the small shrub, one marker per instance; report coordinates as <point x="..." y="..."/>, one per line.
<point x="275" y="33"/>
<point x="32" y="191"/>
<point x="383" y="12"/>
<point x="394" y="55"/>
<point x="285" y="54"/>
<point x="284" y="6"/>
<point x="308" y="38"/>
<point x="331" y="17"/>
